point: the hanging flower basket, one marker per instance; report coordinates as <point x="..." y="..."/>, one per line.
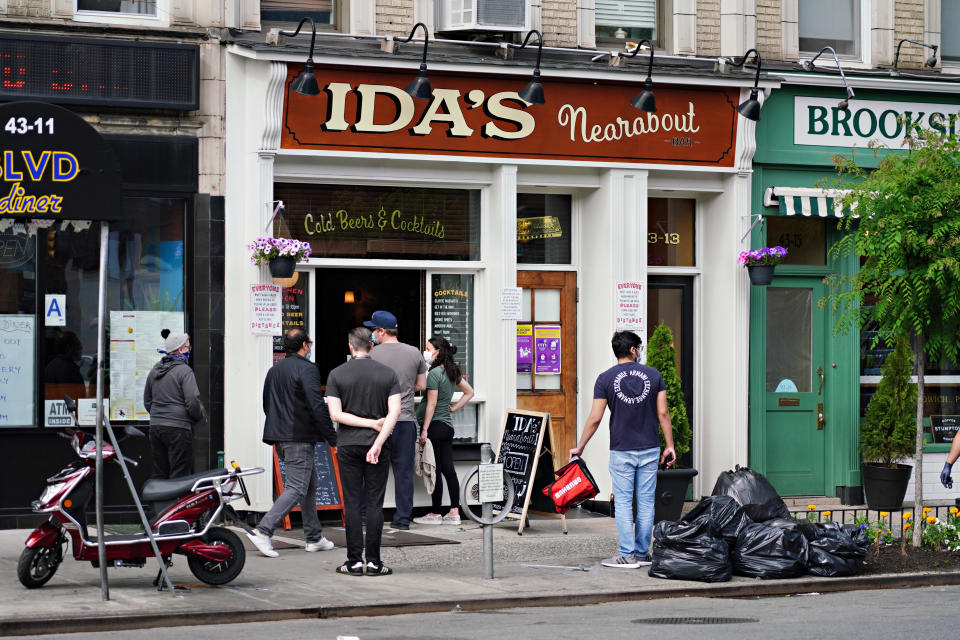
<point x="760" y="263"/>
<point x="281" y="254"/>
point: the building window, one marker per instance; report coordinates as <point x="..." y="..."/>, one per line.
<point x="830" y="23"/>
<point x="543" y="229"/>
<point x="627" y="20"/>
<point x="670" y="232"/>
<point x="950" y="31"/>
<point x="322" y="11"/>
<point x="125" y="7"/>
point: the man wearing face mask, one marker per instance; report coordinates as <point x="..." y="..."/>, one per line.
<point x="172" y="398"/>
<point x="407" y="362"/>
<point x="637" y="399"/>
<point x="297" y="418"/>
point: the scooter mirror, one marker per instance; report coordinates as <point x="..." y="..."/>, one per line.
<point x="133" y="432"/>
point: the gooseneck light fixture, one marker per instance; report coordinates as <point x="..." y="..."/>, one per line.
<point x="306" y="83"/>
<point x="809" y="66"/>
<point x="420" y="87"/>
<point x="644" y="101"/>
<point x="930" y="62"/>
<point x="750" y="108"/>
<point x="533" y="92"/>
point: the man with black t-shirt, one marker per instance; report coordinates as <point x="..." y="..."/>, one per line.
<point x="637" y="399"/>
<point x="364" y="399"/>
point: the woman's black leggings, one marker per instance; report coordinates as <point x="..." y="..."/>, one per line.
<point x="441" y="437"/>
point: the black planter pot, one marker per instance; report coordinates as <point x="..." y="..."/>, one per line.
<point x="885" y="486"/>
<point x="282" y="267"/>
<point x="671" y="491"/>
<point x="761" y="274"/>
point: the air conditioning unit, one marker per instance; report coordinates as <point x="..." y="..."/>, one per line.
<point x="484" y="15"/>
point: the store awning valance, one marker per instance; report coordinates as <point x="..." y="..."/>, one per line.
<point x="807" y="201"/>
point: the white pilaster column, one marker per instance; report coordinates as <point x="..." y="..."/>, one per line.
<point x="738" y="26"/>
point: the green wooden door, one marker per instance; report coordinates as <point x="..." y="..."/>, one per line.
<point x="794" y="390"/>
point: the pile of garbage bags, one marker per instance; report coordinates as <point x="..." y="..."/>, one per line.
<point x="744" y="528"/>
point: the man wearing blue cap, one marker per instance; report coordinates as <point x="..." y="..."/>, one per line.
<point x="411" y="369"/>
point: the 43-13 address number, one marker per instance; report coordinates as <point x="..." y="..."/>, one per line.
<point x="20" y="125"/>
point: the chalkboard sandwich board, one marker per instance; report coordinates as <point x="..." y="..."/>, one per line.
<point x="328" y="480"/>
<point x="944" y="428"/>
<point x="521" y="448"/>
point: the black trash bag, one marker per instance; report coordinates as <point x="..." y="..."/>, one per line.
<point x="804" y="526"/>
<point x="726" y="514"/>
<point x="689" y="551"/>
<point x="769" y="552"/>
<point x="754" y="492"/>
<point x="835" y="552"/>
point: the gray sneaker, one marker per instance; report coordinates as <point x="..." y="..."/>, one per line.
<point x="642" y="561"/>
<point x="263" y="543"/>
<point x="320" y="545"/>
<point x="621" y="562"/>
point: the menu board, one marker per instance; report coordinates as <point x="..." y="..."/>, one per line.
<point x="16" y="370"/>
<point x="293" y="311"/>
<point x="451" y="315"/>
<point x="134" y="340"/>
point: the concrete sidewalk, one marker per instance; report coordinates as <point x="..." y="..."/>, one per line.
<point x="543" y="567"/>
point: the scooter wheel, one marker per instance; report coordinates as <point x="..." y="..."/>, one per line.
<point x="219" y="572"/>
<point x="38" y="564"/>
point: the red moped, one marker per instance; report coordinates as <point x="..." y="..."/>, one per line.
<point x="183" y="510"/>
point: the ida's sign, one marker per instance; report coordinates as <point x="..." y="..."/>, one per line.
<point x="818" y="121"/>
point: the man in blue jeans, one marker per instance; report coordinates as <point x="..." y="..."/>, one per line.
<point x="637" y="399"/>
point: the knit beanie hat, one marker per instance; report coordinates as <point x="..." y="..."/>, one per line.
<point x="174" y="340"/>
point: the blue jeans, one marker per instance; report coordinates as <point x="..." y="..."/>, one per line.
<point x="299" y="487"/>
<point x="403" y="442"/>
<point x="634" y="474"/>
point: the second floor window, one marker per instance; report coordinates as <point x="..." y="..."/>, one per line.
<point x="950" y="31"/>
<point x="125" y="7"/>
<point x="830" y="23"/>
<point x="322" y="11"/>
<point x="630" y="20"/>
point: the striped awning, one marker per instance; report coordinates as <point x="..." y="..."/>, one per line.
<point x="806" y="201"/>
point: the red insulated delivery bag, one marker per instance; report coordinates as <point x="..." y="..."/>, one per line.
<point x="574" y="485"/>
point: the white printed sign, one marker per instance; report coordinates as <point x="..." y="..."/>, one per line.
<point x="490" y="482"/>
<point x="87" y="411"/>
<point x="510" y="303"/>
<point x="17" y="370"/>
<point x="55" y="310"/>
<point x="55" y="414"/>
<point x="266" y="302"/>
<point x="134" y="339"/>
<point x="629" y="311"/>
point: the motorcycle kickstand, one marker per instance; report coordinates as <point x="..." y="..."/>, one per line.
<point x="158" y="581"/>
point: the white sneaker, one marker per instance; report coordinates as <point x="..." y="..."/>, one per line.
<point x="621" y="562"/>
<point x="454" y="520"/>
<point x="320" y="545"/>
<point x="263" y="543"/>
<point x="431" y="518"/>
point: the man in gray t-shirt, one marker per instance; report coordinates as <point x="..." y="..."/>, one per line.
<point x="411" y="369"/>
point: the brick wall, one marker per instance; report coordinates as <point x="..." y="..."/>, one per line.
<point x="395" y="17"/>
<point x="28" y="8"/>
<point x="559" y="23"/>
<point x="908" y="23"/>
<point x="708" y="28"/>
<point x="769" y="33"/>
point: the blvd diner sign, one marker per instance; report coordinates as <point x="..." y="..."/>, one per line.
<point x="55" y="166"/>
<point x="367" y="111"/>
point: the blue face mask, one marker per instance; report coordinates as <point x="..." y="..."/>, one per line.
<point x="182" y="357"/>
<point x="373" y="340"/>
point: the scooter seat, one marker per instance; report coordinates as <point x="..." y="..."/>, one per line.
<point x="157" y="489"/>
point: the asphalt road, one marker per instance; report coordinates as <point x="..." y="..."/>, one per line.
<point x="929" y="613"/>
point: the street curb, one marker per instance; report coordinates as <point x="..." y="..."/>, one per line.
<point x="758" y="588"/>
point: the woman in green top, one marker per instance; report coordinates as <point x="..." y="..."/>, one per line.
<point x="433" y="413"/>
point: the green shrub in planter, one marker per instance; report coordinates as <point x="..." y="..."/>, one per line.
<point x="662" y="356"/>
<point x="889" y="429"/>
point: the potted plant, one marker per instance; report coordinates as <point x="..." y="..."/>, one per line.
<point x="888" y="432"/>
<point x="672" y="483"/>
<point x="760" y="263"/>
<point x="282" y="254"/>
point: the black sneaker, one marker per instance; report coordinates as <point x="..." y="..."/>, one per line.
<point x="402" y="526"/>
<point x="378" y="569"/>
<point x="351" y="569"/>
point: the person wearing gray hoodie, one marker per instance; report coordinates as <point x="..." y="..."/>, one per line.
<point x="172" y="397"/>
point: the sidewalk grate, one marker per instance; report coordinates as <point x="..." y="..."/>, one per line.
<point x="693" y="620"/>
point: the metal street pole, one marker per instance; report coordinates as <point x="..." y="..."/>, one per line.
<point x="101" y="306"/>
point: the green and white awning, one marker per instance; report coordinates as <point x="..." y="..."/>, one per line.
<point x="806" y="201"/>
